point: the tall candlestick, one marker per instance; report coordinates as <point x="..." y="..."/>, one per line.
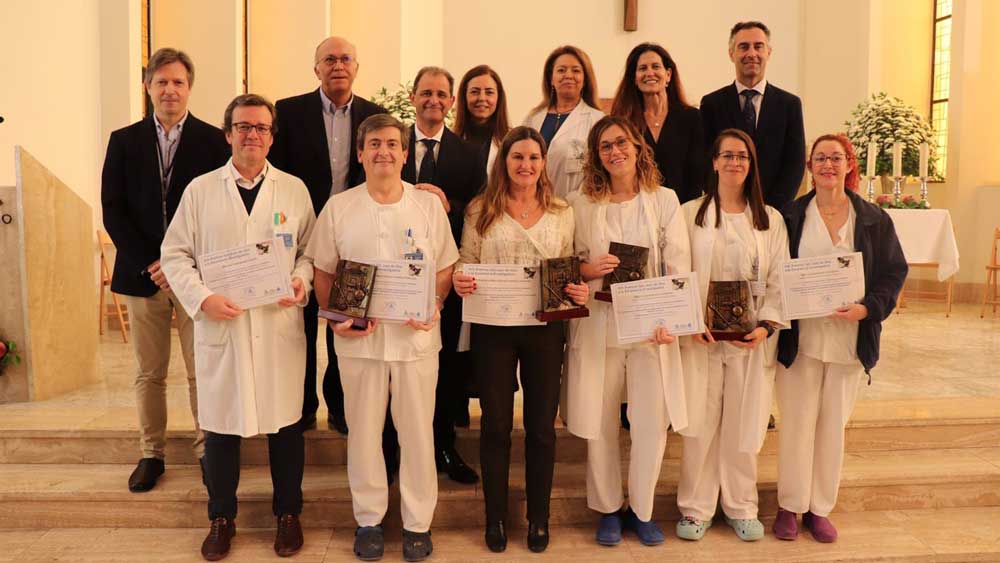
<point x="924" y="154"/>
<point x="897" y="159"/>
<point x="872" y="156"/>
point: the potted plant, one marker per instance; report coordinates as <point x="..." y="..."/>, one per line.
<point x="885" y="120"/>
<point x="8" y="354"/>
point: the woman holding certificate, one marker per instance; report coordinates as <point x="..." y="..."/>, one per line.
<point x="517" y="221"/>
<point x="622" y="200"/>
<point x="738" y="246"/>
<point x="823" y="359"/>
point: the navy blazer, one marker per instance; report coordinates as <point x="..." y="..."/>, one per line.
<point x="885" y="272"/>
<point x="131" y="193"/>
<point x="300" y="147"/>
<point x="780" y="137"/>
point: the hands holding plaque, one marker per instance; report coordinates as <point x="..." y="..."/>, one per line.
<point x="729" y="310"/>
<point x="631" y="267"/>
<point x="563" y="293"/>
<point x="351" y="295"/>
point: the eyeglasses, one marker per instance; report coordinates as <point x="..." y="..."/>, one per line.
<point x="835" y="159"/>
<point x="621" y="143"/>
<point x="262" y="129"/>
<point x="733" y="157"/>
<point x="331" y="60"/>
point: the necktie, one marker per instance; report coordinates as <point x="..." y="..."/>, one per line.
<point x="428" y="167"/>
<point x="749" y="111"/>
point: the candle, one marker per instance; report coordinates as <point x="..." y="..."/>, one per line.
<point x="870" y="161"/>
<point x="924" y="154"/>
<point x="897" y="159"/>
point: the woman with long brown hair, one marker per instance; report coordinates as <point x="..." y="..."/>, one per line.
<point x="651" y="97"/>
<point x="734" y="238"/>
<point x="565" y="115"/>
<point x="621" y="200"/>
<point x="481" y="112"/>
<point x="517" y="220"/>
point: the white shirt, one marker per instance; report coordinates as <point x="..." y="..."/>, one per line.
<point x="421" y="149"/>
<point x="825" y="339"/>
<point x="626" y="223"/>
<point x="759" y="88"/>
<point x="353" y="226"/>
<point x="735" y="253"/>
<point x="508" y="242"/>
<point x="243" y="182"/>
<point x="337" y="124"/>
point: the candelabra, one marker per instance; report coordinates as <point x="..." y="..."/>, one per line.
<point x="897" y="189"/>
<point x="871" y="189"/>
<point x="923" y="192"/>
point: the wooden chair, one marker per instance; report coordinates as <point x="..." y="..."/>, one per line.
<point x="105" y="241"/>
<point x="991" y="295"/>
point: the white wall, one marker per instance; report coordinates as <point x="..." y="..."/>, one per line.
<point x="285" y="35"/>
<point x="377" y="37"/>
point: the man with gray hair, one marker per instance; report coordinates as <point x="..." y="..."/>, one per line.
<point x="317" y="143"/>
<point x="147" y="167"/>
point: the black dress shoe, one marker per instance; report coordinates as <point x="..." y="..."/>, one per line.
<point x="308" y="422"/>
<point x="336" y="421"/>
<point x="448" y="461"/>
<point x="496" y="537"/>
<point x="288" y="540"/>
<point x="145" y="475"/>
<point x="218" y="540"/>
<point x="538" y="536"/>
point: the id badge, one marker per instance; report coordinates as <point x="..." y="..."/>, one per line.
<point x="286" y="238"/>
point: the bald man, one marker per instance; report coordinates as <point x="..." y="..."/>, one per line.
<point x="316" y="142"/>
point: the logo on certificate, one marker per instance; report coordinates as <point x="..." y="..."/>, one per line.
<point x="263" y="248"/>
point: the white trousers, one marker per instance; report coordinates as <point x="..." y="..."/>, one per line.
<point x="712" y="461"/>
<point x="815" y="400"/>
<point x="638" y="371"/>
<point x="367" y="384"/>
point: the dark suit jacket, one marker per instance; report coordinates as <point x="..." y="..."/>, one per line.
<point x="680" y="152"/>
<point x="131" y="193"/>
<point x="460" y="176"/>
<point x="780" y="137"/>
<point x="300" y="146"/>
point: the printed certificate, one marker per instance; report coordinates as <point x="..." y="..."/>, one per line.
<point x="815" y="287"/>
<point x="250" y="276"/>
<point x="506" y="295"/>
<point x="669" y="301"/>
<point x="403" y="290"/>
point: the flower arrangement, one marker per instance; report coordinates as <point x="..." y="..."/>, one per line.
<point x="398" y="104"/>
<point x="886" y="201"/>
<point x="885" y="120"/>
<point x="8" y="354"/>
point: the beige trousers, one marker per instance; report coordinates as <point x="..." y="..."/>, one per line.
<point x="815" y="400"/>
<point x="711" y="462"/>
<point x="149" y="327"/>
<point x="636" y="370"/>
<point x="367" y="385"/>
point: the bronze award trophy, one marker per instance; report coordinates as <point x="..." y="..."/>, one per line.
<point x="351" y="294"/>
<point x="631" y="268"/>
<point x="556" y="305"/>
<point x="729" y="311"/>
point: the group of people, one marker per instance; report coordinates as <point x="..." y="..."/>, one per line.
<point x="334" y="177"/>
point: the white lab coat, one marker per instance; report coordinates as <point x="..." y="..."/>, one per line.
<point x="250" y="369"/>
<point x="772" y="252"/>
<point x="588" y="339"/>
<point x="568" y="148"/>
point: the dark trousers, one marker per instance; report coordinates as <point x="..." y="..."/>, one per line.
<point x="286" y="455"/>
<point x="496" y="352"/>
<point x="333" y="393"/>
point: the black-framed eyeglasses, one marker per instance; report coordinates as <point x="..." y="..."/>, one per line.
<point x="262" y="129"/>
<point x="733" y="157"/>
<point x="835" y="159"/>
<point x="331" y="60"/>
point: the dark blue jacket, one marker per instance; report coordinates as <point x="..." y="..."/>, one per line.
<point x="885" y="272"/>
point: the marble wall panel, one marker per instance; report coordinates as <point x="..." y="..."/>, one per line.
<point x="14" y="381"/>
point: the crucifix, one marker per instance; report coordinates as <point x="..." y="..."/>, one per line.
<point x="631" y="15"/>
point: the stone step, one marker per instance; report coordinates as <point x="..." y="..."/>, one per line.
<point x="901" y="536"/>
<point x="95" y="495"/>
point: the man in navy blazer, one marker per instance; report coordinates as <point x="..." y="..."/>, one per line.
<point x="316" y="141"/>
<point x="147" y="167"/>
<point x="770" y="115"/>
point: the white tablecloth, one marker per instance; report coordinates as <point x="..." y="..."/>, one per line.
<point x="926" y="235"/>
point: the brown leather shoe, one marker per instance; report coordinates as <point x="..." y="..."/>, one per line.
<point x="216" y="544"/>
<point x="289" y="540"/>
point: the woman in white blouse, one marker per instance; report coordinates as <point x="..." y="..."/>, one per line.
<point x="734" y="237"/>
<point x="621" y="200"/>
<point x="565" y="115"/>
<point x="517" y="220"/>
<point x="823" y="359"/>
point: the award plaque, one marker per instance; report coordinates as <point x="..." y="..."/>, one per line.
<point x="729" y="311"/>
<point x="351" y="294"/>
<point x="631" y="268"/>
<point x="556" y="304"/>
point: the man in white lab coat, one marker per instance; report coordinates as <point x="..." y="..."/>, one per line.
<point x="250" y="362"/>
<point x="385" y="219"/>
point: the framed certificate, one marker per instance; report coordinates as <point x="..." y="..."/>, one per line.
<point x="403" y="290"/>
<point x="671" y="302"/>
<point x="506" y="295"/>
<point x="251" y="275"/>
<point x="815" y="287"/>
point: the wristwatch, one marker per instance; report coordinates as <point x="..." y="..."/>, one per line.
<point x="767" y="326"/>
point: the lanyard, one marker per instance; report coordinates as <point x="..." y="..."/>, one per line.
<point x="165" y="172"/>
